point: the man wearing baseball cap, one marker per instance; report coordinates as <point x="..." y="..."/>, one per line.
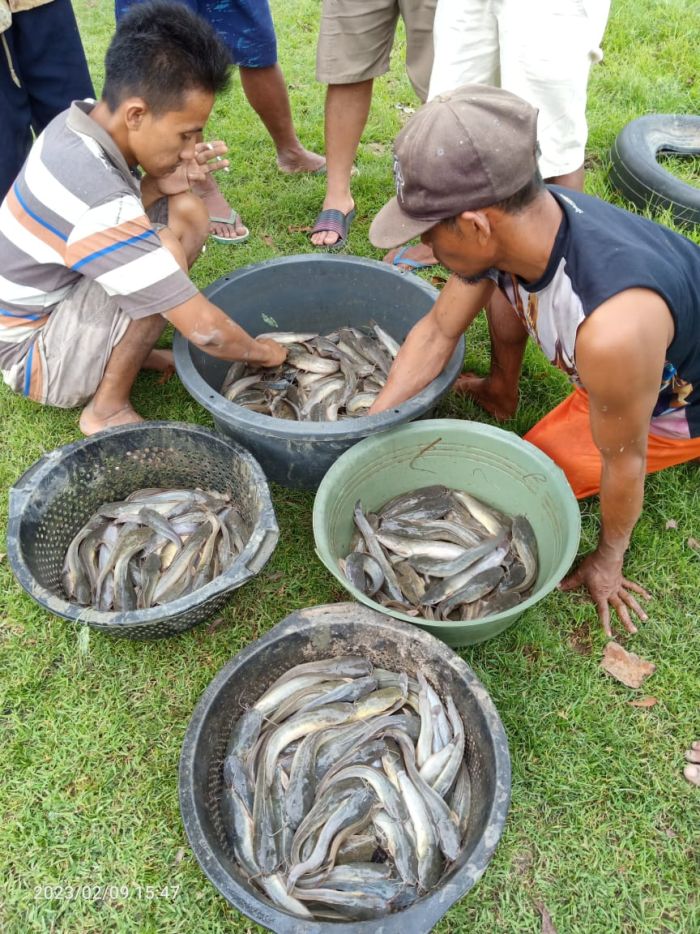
<point x="610" y="297"/>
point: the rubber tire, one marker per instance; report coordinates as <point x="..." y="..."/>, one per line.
<point x="637" y="175"/>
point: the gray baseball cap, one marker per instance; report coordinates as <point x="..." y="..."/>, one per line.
<point x="463" y="151"/>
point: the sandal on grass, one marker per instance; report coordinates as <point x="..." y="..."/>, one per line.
<point x="402" y="260"/>
<point x="231" y="219"/>
<point x="333" y="221"/>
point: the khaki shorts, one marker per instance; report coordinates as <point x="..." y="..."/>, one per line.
<point x="356" y="38"/>
<point x="541" y="50"/>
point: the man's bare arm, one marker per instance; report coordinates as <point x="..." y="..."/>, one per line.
<point x="620" y="354"/>
<point x="431" y="342"/>
<point x="206" y="326"/>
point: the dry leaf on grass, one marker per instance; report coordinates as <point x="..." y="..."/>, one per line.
<point x="693" y="543"/>
<point x="671" y="524"/>
<point x="213" y="626"/>
<point x="627" y="667"/>
<point x="179" y="856"/>
<point x="295" y="228"/>
<point x="644" y="702"/>
<point x="547" y="923"/>
<point x="267" y="240"/>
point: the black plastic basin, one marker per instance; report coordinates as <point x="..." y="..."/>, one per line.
<point x="310" y="293"/>
<point x="321" y="632"/>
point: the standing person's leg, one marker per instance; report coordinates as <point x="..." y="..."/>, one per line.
<point x="42" y="69"/>
<point x="247" y="29"/>
<point x="354" y="47"/>
<point x="466" y="51"/>
<point x="466" y="45"/>
<point x="346" y="112"/>
<point x="419" y="17"/>
<point x="546" y="54"/>
<point x="266" y="91"/>
<point x="51" y="60"/>
<point x="15" y="115"/>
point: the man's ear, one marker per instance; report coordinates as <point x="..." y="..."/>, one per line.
<point x="135" y="109"/>
<point x="476" y="225"/>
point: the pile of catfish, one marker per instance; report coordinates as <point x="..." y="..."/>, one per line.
<point x="346" y="792"/>
<point x="153" y="547"/>
<point x="442" y="554"/>
<point x="324" y="378"/>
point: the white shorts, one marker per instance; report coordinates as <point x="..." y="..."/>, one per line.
<point x="541" y="50"/>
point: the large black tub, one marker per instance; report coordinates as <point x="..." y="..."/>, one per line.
<point x="316" y="292"/>
<point x="321" y="632"/>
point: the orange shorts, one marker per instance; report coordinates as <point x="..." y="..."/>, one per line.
<point x="565" y="436"/>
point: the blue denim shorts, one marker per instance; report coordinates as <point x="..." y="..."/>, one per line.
<point x="244" y="25"/>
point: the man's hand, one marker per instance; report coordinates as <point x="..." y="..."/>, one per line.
<point x="207" y="159"/>
<point x="431" y="342"/>
<point x="607" y="588"/>
<point x="274" y="353"/>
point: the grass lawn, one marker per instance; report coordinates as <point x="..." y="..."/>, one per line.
<point x="602" y="829"/>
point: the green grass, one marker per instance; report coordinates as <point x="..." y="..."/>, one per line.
<point x="602" y="828"/>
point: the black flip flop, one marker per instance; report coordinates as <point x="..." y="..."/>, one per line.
<point x="333" y="221"/>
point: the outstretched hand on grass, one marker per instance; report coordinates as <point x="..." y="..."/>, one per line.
<point x="607" y="588"/>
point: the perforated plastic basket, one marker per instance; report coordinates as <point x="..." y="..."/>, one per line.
<point x="59" y="493"/>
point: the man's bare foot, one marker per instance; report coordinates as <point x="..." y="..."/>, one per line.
<point x="292" y="161"/>
<point x="692" y="771"/>
<point x="218" y="206"/>
<point x="93" y="420"/>
<point x="479" y="389"/>
<point x="406" y="258"/>
<point x="330" y="237"/>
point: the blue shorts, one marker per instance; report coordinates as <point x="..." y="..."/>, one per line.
<point x="244" y="25"/>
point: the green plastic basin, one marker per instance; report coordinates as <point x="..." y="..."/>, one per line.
<point x="495" y="465"/>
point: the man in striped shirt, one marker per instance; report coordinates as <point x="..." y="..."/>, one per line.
<point x="94" y="257"/>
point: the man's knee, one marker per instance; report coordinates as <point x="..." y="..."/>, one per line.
<point x="188" y="219"/>
<point x="172" y="243"/>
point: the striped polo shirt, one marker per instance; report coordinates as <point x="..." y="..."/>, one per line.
<point x="75" y="211"/>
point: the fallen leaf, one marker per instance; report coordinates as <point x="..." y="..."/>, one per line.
<point x="547" y="923"/>
<point x="671" y="834"/>
<point x="627" y="667"/>
<point x="295" y="228"/>
<point x="644" y="702"/>
<point x="671" y="524"/>
<point x="377" y="148"/>
<point x="267" y="239"/>
<point x="213" y="626"/>
<point x="693" y="543"/>
<point x="437" y="281"/>
<point x="179" y="856"/>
